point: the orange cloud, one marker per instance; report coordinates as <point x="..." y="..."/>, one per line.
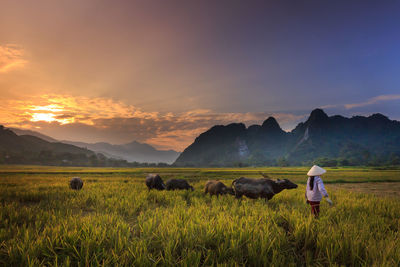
<point x="175" y="139"/>
<point x="11" y="57"/>
<point x="67" y="109"/>
<point x="103" y="119"/>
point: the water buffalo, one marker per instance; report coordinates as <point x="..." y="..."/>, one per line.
<point x="260" y="188"/>
<point x="173" y="184"/>
<point x="76" y="183"/>
<point x="217" y="188"/>
<point x="154" y="181"/>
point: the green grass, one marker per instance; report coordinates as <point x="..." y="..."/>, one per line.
<point x="114" y="220"/>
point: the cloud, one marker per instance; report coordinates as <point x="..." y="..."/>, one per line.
<point x="372" y="101"/>
<point x="77" y="118"/>
<point x="65" y="107"/>
<point x="11" y="57"/>
<point x="177" y="131"/>
<point x="329" y="106"/>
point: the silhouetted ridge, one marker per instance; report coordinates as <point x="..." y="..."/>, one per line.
<point x="28" y="149"/>
<point x="317" y="116"/>
<point x="271" y="125"/>
<point x="354" y="141"/>
<point x="31" y="149"/>
<point x="379" y="117"/>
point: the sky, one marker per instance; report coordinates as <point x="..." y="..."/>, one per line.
<point x="164" y="71"/>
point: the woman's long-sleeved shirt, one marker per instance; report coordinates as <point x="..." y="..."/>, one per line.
<point x="318" y="190"/>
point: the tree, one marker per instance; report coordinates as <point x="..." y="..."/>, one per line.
<point x="282" y="162"/>
<point x="326" y="162"/>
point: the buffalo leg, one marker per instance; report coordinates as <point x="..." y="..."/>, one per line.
<point x="238" y="196"/>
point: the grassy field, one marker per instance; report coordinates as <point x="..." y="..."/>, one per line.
<point x="114" y="220"/>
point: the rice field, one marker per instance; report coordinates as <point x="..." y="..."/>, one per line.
<point x="114" y="220"/>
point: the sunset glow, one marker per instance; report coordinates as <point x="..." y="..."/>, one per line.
<point x="157" y="132"/>
<point x="49" y="113"/>
<point x="11" y="57"/>
<point x="50" y="108"/>
<point x="53" y="113"/>
<point x="158" y="72"/>
<point x="47" y="117"/>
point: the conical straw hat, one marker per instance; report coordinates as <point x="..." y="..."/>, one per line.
<point x="316" y="170"/>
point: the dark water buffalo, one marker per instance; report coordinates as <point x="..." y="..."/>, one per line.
<point x="179" y="184"/>
<point x="76" y="183"/>
<point x="260" y="188"/>
<point x="154" y="181"/>
<point x="217" y="188"/>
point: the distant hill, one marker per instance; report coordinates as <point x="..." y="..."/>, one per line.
<point x="33" y="133"/>
<point x="28" y="149"/>
<point x="133" y="151"/>
<point x="329" y="141"/>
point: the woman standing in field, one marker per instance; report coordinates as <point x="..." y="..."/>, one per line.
<point x="315" y="189"/>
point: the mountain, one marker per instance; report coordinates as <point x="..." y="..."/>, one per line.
<point x="28" y="149"/>
<point x="134" y="151"/>
<point x="33" y="133"/>
<point x="217" y="146"/>
<point x="328" y="140"/>
<point x="131" y="152"/>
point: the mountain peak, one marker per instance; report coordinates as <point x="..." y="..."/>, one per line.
<point x="271" y="124"/>
<point x="134" y="142"/>
<point x="379" y="116"/>
<point x="139" y="146"/>
<point x="317" y="115"/>
<point x="321" y="136"/>
<point x="270" y="121"/>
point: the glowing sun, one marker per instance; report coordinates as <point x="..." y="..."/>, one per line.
<point x="48" y="117"/>
<point x="49" y="113"/>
